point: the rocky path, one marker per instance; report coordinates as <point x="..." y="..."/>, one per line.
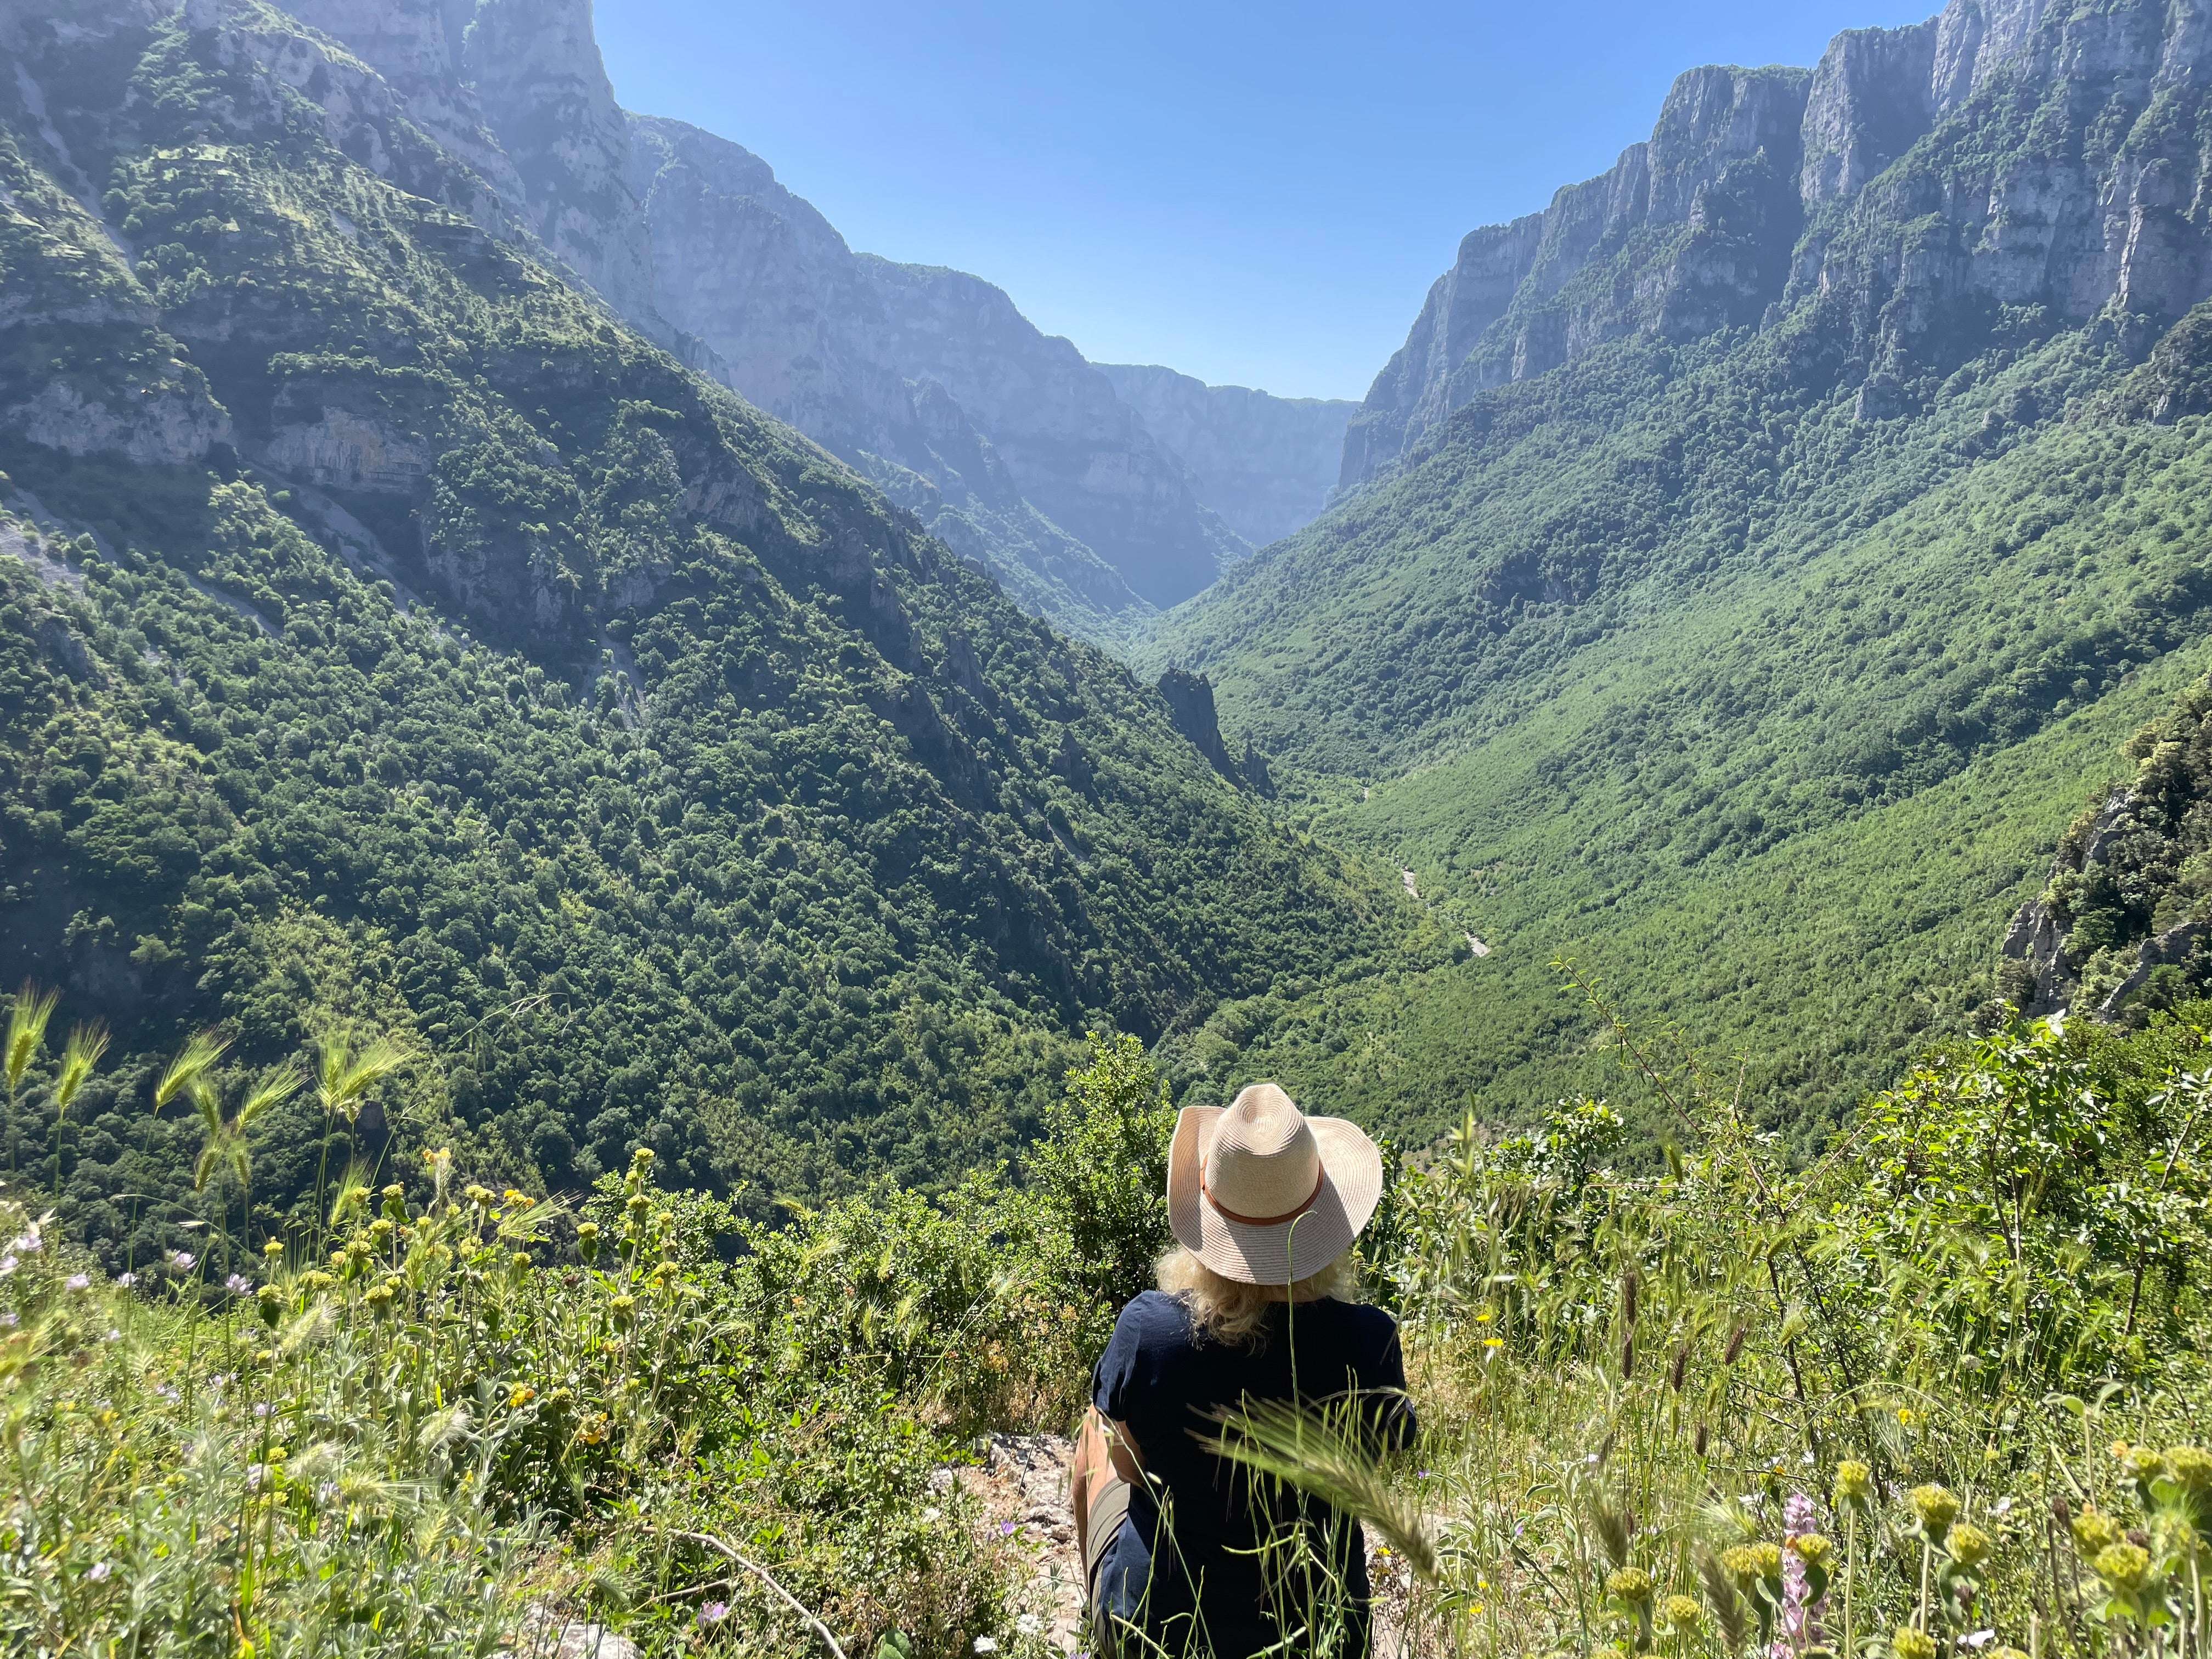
<point x="1022" y="1484"/>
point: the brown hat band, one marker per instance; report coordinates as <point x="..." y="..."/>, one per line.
<point x="1320" y="1177"/>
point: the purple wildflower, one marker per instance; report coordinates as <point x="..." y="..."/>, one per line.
<point x="126" y="1280"/>
<point x="6" y="1265"/>
<point x="1799" y="1617"/>
<point x="77" y="1282"/>
<point x="713" y="1612"/>
<point x="98" y="1570"/>
<point x="183" y="1261"/>
<point x="238" y="1283"/>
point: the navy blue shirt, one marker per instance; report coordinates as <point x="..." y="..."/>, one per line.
<point x="1194" y="1560"/>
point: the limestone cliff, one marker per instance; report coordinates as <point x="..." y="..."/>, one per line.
<point x="1689" y="232"/>
<point x="1075" y="450"/>
<point x="517" y="91"/>
<point x="873" y="359"/>
<point x="768" y="283"/>
<point x="1900" y="176"/>
<point x="1265" y="464"/>
<point x="535" y="67"/>
<point x="416" y="46"/>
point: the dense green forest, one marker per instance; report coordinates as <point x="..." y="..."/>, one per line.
<point x="1758" y="668"/>
<point x="621" y="753"/>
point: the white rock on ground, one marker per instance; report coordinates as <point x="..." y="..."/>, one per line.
<point x="543" y="1635"/>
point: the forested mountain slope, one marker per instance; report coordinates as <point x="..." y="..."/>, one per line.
<point x="1786" y="498"/>
<point x="393" y="638"/>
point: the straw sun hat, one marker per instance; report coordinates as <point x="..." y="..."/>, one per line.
<point x="1264" y="1195"/>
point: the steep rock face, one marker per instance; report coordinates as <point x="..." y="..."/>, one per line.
<point x="415" y="47"/>
<point x="767" y="281"/>
<point x="1689" y="232"/>
<point x="770" y="287"/>
<point x="1873" y="95"/>
<point x="1075" y="449"/>
<point x="1265" y="464"/>
<point x="536" y="72"/>
<point x="515" y="90"/>
<point x="2069" y="178"/>
<point x="1902" y="176"/>
<point x="1078" y="505"/>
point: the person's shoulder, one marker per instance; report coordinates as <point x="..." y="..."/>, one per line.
<point x="1150" y="1332"/>
<point x="1152" y="1316"/>
<point x="1367" y="1326"/>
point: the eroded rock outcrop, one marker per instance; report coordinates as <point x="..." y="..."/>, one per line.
<point x="2122" y="926"/>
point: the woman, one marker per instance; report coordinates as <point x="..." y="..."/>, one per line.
<point x="1185" y="1554"/>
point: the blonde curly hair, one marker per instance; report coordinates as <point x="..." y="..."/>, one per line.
<point x="1230" y="1312"/>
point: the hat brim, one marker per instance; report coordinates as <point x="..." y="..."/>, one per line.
<point x="1278" y="1253"/>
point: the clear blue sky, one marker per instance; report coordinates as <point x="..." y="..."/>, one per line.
<point x="1257" y="194"/>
